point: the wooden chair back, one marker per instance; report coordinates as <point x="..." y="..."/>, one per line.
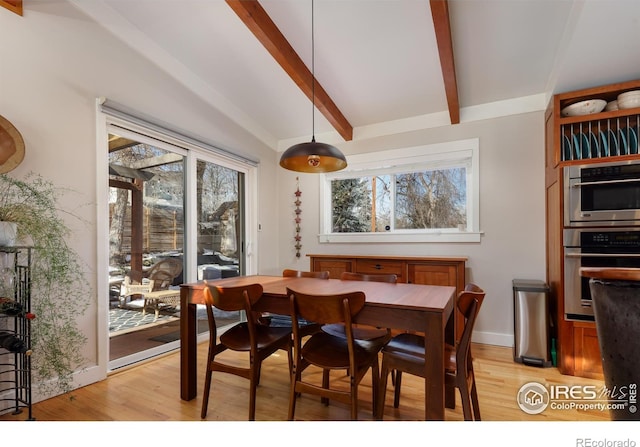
<point x="326" y="309"/>
<point x="288" y="273"/>
<point x="329" y="352"/>
<point x="405" y="353"/>
<point x="231" y="299"/>
<point x="382" y="277"/>
<point x="257" y="340"/>
<point x="469" y="302"/>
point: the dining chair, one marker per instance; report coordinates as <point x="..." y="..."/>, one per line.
<point x="259" y="340"/>
<point x="328" y="352"/>
<point x="362" y="332"/>
<point x="406" y="353"/>
<point x="308" y="327"/>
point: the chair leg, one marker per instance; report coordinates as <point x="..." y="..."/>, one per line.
<point x="253" y="385"/>
<point x="382" y="388"/>
<point x="205" y="394"/>
<point x="474" y="401"/>
<point x="293" y="395"/>
<point x="466" y="400"/>
<point x="325" y="385"/>
<point x="258" y="373"/>
<point x="396" y="391"/>
<point x="290" y="359"/>
<point x="354" y="399"/>
<point x="375" y="387"/>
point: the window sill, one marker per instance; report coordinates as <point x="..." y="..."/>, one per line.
<point x="436" y="236"/>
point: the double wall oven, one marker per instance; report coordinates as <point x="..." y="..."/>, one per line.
<point x="601" y="226"/>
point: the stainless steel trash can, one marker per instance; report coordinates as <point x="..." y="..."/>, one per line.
<point x="531" y="322"/>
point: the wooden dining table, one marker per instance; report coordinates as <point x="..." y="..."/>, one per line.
<point x="406" y="307"/>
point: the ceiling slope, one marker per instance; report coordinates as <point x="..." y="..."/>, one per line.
<point x="261" y="25"/>
<point x="384" y="66"/>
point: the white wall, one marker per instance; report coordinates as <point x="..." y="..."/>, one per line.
<point x="512" y="214"/>
<point x="54" y="63"/>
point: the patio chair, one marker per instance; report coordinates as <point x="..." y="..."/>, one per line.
<point x="160" y="276"/>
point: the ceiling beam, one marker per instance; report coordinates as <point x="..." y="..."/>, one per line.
<point x="12" y="5"/>
<point x="440" y="14"/>
<point x="261" y="25"/>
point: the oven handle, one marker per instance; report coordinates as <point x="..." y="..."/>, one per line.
<point x="604" y="182"/>
<point x="602" y="255"/>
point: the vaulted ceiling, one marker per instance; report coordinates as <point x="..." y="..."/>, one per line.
<point x="381" y="66"/>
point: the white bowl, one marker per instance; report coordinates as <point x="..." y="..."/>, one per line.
<point x="584" y="107"/>
<point x="629" y="100"/>
<point x="612" y="105"/>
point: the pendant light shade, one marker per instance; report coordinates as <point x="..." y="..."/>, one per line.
<point x="313" y="157"/>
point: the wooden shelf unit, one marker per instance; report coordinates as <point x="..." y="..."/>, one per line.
<point x="577" y="343"/>
<point x="439" y="271"/>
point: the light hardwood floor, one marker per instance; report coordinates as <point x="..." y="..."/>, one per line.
<point x="150" y="392"/>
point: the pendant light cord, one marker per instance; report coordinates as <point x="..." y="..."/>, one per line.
<point x="313" y="82"/>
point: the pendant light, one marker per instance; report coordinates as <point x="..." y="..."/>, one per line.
<point x="313" y="156"/>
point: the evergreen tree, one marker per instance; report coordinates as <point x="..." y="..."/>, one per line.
<point x="351" y="206"/>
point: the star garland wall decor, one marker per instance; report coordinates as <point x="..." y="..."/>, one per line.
<point x="298" y="219"/>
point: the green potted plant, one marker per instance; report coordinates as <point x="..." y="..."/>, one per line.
<point x="59" y="290"/>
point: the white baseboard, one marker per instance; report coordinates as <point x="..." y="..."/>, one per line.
<point x="492" y="338"/>
<point x="81" y="378"/>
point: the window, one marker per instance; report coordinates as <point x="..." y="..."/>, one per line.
<point x="420" y="194"/>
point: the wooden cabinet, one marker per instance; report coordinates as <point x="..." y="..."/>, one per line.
<point x="577" y="343"/>
<point x="587" y="360"/>
<point x="434" y="273"/>
<point x="383" y="266"/>
<point x="439" y="271"/>
<point x="334" y="266"/>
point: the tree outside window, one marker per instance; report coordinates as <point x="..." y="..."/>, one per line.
<point x="423" y="194"/>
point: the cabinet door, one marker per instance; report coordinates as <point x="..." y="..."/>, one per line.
<point x="438" y="274"/>
<point x="587" y="356"/>
<point x="433" y="274"/>
<point x="335" y="267"/>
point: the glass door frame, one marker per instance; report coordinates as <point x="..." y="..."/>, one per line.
<point x="106" y="124"/>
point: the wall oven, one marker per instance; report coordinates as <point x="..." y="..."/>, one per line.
<point x="603" y="194"/>
<point x="594" y="247"/>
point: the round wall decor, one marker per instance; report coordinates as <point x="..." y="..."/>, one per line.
<point x="11" y="146"/>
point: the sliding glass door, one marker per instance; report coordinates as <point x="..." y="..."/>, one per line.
<point x="220" y="222"/>
<point x="146" y="246"/>
<point x="150" y="253"/>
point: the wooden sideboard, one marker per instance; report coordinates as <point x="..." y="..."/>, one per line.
<point x="437" y="271"/>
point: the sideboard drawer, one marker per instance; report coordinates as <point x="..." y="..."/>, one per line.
<point x="382" y="266"/>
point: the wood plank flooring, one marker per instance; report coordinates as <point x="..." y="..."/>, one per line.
<point x="150" y="392"/>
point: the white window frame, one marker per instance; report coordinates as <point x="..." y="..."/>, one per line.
<point x="439" y="155"/>
<point x="193" y="150"/>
